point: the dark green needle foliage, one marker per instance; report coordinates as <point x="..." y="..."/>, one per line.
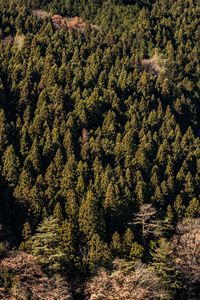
<point x="99" y="136"/>
<point x="46" y="245"/>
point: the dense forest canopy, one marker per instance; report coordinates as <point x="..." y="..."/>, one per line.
<point x="99" y="149"/>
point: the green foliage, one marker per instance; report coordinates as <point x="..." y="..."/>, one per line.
<point x="127" y="242"/>
<point x="96" y="124"/>
<point x="46" y="245"/>
<point x="161" y="253"/>
<point x="116" y="244"/>
<point x="10" y="166"/>
<point x="193" y="209"/>
<point x="136" y="252"/>
<point x="90" y="216"/>
<point x="99" y="254"/>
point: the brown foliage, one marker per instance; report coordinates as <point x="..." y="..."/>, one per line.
<point x="186" y="249"/>
<point x="139" y="283"/>
<point x="30" y="282"/>
<point x="153" y="65"/>
<point x="68" y="23"/>
<point x="84" y="136"/>
<point x="61" y="22"/>
<point x="75" y="23"/>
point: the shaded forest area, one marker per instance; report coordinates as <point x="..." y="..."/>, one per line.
<point x="99" y="150"/>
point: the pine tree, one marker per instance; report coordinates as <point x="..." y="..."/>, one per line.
<point x="140" y="188"/>
<point x="168" y="221"/>
<point x="115" y="206"/>
<point x="116" y="244"/>
<point x="47" y="245"/>
<point x="136" y="252"/>
<point x="69" y="243"/>
<point x="162" y="261"/>
<point x="57" y="213"/>
<point x="99" y="254"/>
<point x="35" y="157"/>
<point x="128" y="241"/>
<point x="91" y="216"/>
<point x="10" y="166"/>
<point x="193" y="209"/>
<point x="3" y="131"/>
<point x="179" y="207"/>
<point x="26" y="234"/>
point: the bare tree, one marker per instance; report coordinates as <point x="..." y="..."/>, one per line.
<point x="186" y="253"/>
<point x="29" y="281"/>
<point x="139" y="283"/>
<point x="146" y="218"/>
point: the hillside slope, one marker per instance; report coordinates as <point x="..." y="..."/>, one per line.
<point x="99" y="149"/>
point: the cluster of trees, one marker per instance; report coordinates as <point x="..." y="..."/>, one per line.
<point x="99" y="157"/>
<point x="28" y="281"/>
<point x="172" y="271"/>
<point x="158" y="279"/>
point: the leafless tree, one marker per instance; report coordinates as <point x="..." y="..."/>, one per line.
<point x="186" y="253"/>
<point x="29" y="281"/>
<point x="140" y="283"/>
<point x="146" y="218"/>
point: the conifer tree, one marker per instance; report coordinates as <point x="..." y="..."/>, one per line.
<point x="193" y="209"/>
<point x="136" y="252"/>
<point x="10" y="166"/>
<point x="99" y="253"/>
<point x="91" y="216"/>
<point x="3" y="131"/>
<point x="116" y="244"/>
<point x="128" y="241"/>
<point x="165" y="267"/>
<point x="47" y="245"/>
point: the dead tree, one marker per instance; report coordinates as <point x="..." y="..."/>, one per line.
<point x="146" y="219"/>
<point x="84" y="136"/>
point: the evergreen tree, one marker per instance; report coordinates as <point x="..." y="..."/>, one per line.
<point x="3" y="131"/>
<point x="165" y="267"/>
<point x="47" y="245"/>
<point x="10" y="166"/>
<point x="128" y="241"/>
<point x="99" y="253"/>
<point x="91" y="216"/>
<point x="116" y="244"/>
